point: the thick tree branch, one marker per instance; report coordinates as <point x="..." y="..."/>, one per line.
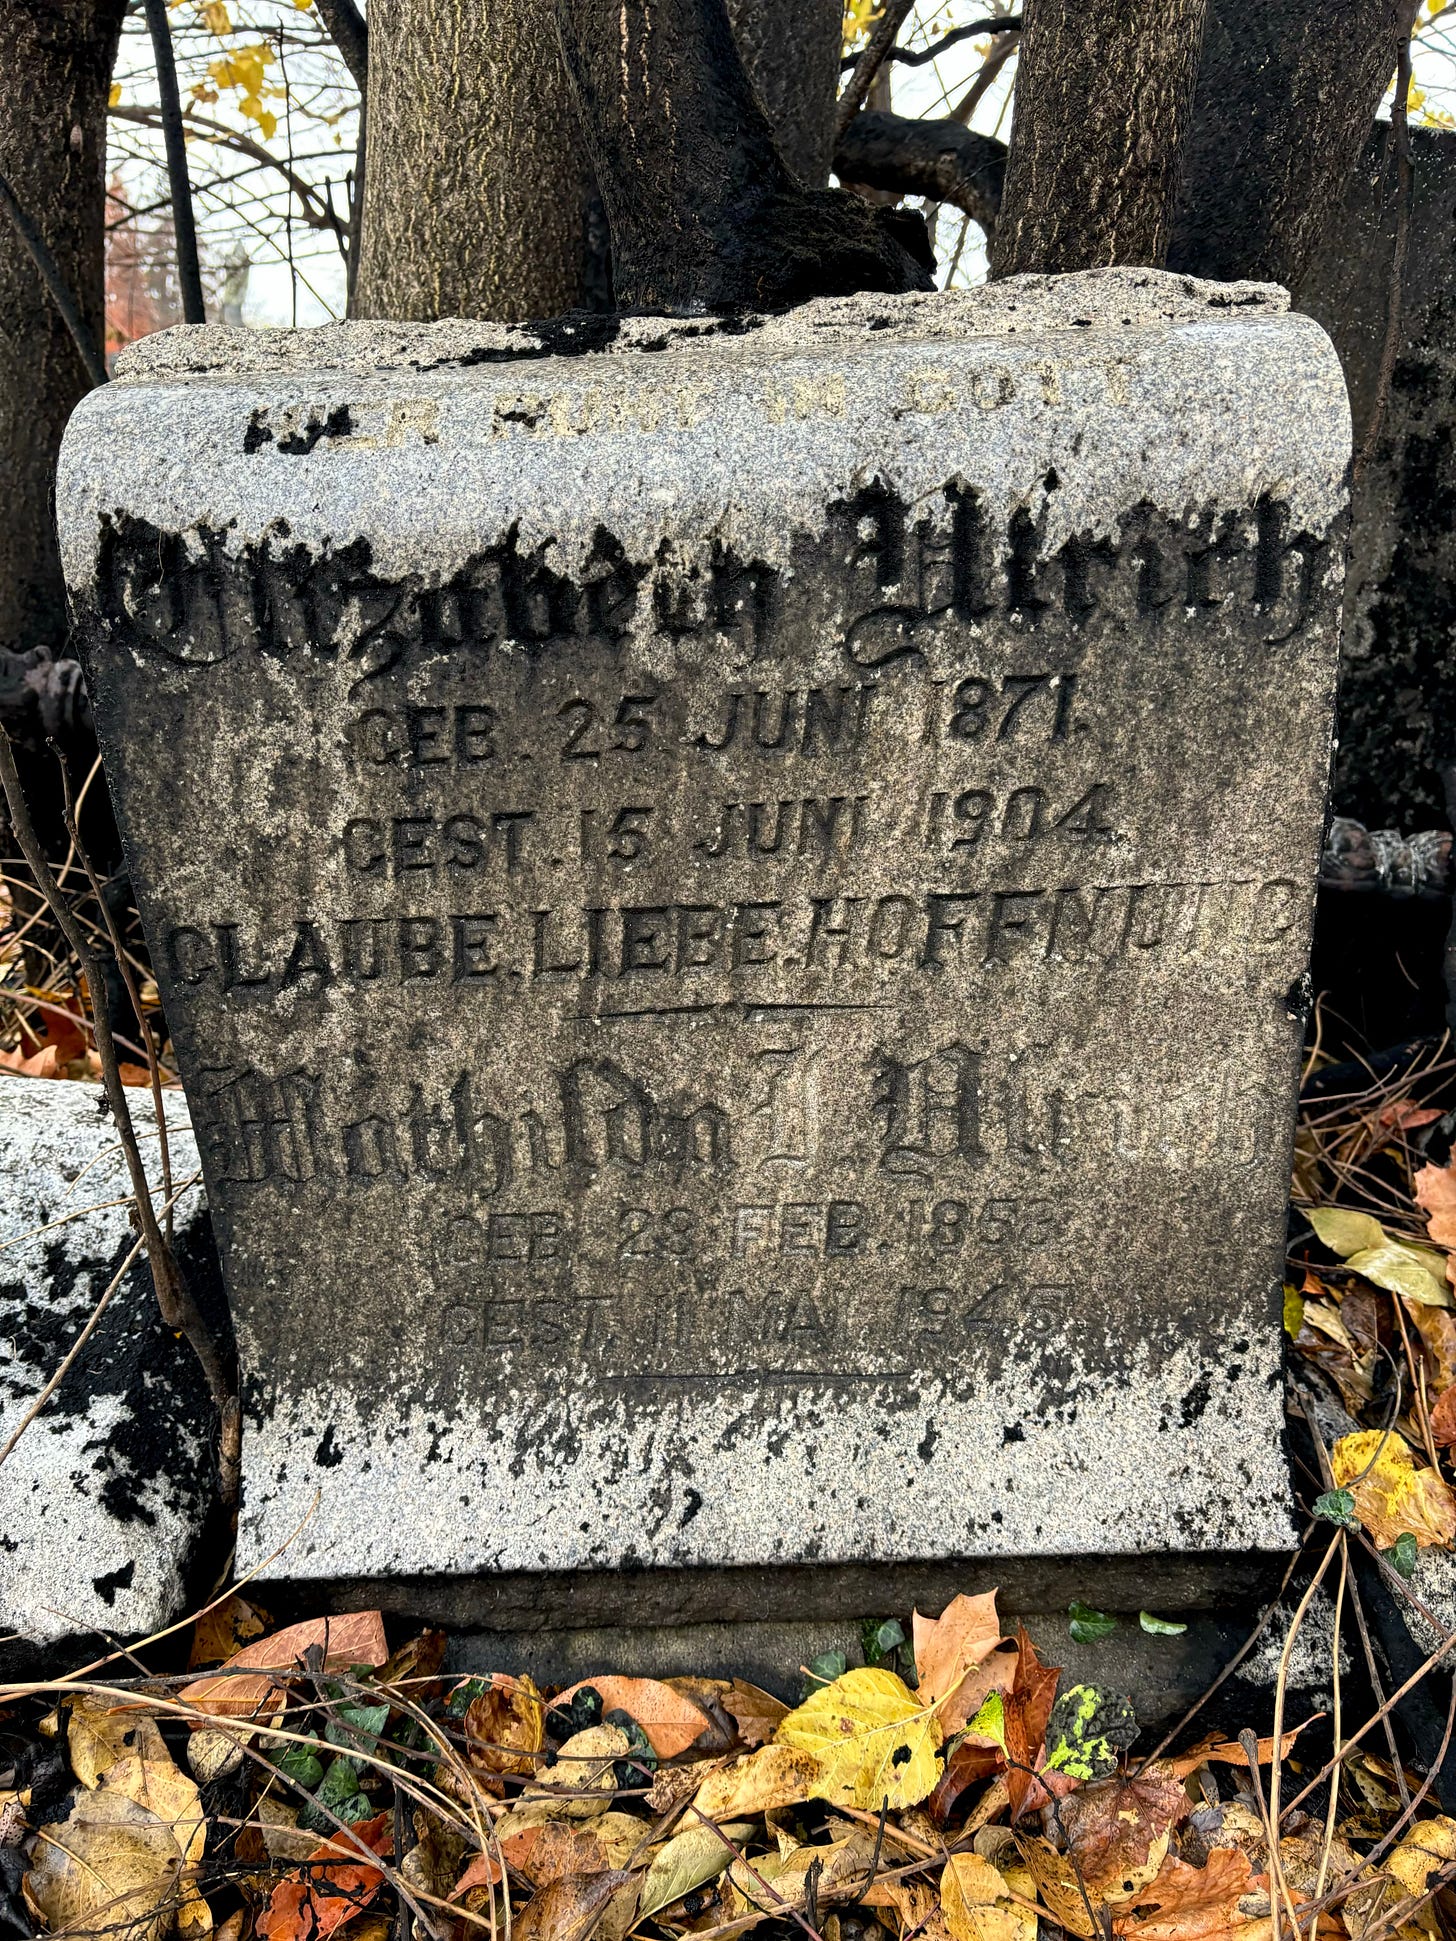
<point x="184" y="228"/>
<point x="705" y="214"/>
<point x="350" y="35"/>
<point x="940" y="160"/>
<point x="1104" y="95"/>
<point x="871" y="60"/>
<point x="50" y="274"/>
<point x="996" y="23"/>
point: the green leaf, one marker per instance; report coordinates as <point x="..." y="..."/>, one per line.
<point x="300" y="1764"/>
<point x="341" y="1795"/>
<point x="990" y="1721"/>
<point x="356" y="1726"/>
<point x="1087" y="1730"/>
<point x="1088" y="1626"/>
<point x="1157" y="1627"/>
<point x="690" y="1859"/>
<point x="459" y="1700"/>
<point x="1345" y="1232"/>
<point x="1337" y="1506"/>
<point x="1413" y="1271"/>
<point x="881" y="1636"/>
<point x="823" y="1669"/>
<point x="1405" y="1553"/>
<point x="1293" y="1311"/>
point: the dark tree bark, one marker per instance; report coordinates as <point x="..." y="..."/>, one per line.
<point x="792" y="57"/>
<point x="476" y="190"/>
<point x="1104" y="96"/>
<point x="54" y="81"/>
<point x="705" y="213"/>
<point x="349" y="34"/>
<point x="1287" y="91"/>
<point x="938" y="159"/>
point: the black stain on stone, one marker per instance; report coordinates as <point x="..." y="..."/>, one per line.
<point x="926" y="1446"/>
<point x="1013" y="1432"/>
<point x="113" y="1581"/>
<point x="1195" y="1401"/>
<point x="328" y="1455"/>
<point x="694" y="1504"/>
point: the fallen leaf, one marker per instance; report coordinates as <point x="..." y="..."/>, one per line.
<point x="225" y="1629"/>
<point x="947" y="1648"/>
<point x="1395" y="1495"/>
<point x="1443" y="1418"/>
<point x="770" y="1883"/>
<point x="875" y="1740"/>
<point x="505" y="1728"/>
<point x="1435" y="1190"/>
<point x="1345" y="1231"/>
<point x="1117" y="1830"/>
<point x="339" y="1884"/>
<point x="1056" y="1885"/>
<point x="580" y="1779"/>
<point x="1027" y="1708"/>
<point x="1195" y="1903"/>
<point x="1437" y="1329"/>
<point x="1404" y="1115"/>
<point x="356" y="1638"/>
<point x="671" y="1721"/>
<point x="975" y="1900"/>
<point x="111" y="1868"/>
<point x="483" y="1871"/>
<point x="758" y="1714"/>
<point x="776" y="1775"/>
<point x="116" y="1746"/>
<point x="1226" y="1752"/>
<point x="607" y="1843"/>
<point x="568" y="1909"/>
<point x="687" y="1861"/>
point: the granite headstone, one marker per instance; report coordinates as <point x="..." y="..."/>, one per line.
<point x="732" y="900"/>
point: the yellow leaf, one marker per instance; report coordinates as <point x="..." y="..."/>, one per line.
<point x="1424" y="1847"/>
<point x="689" y="1860"/>
<point x="773" y="1776"/>
<point x="1413" y="1271"/>
<point x="114" y="98"/>
<point x="110" y="1868"/>
<point x="1345" y="1232"/>
<point x="215" y="16"/>
<point x="1293" y="1310"/>
<point x="975" y="1900"/>
<point x="875" y="1741"/>
<point x="1395" y="1496"/>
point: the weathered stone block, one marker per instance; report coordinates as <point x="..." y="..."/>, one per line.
<point x="732" y="907"/>
<point x="106" y="1494"/>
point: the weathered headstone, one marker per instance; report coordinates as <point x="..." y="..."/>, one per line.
<point x="105" y="1493"/>
<point x="732" y="901"/>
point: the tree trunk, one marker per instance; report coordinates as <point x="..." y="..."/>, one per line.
<point x="1286" y="95"/>
<point x="476" y="191"/>
<point x="704" y="211"/>
<point x="1104" y="95"/>
<point x="792" y="57"/>
<point x="54" y="82"/>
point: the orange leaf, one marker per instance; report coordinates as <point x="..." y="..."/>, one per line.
<point x="482" y="1872"/>
<point x="1435" y="1188"/>
<point x="1226" y="1753"/>
<point x="949" y="1647"/>
<point x="672" y="1723"/>
<point x="356" y="1638"/>
<point x="1027" y="1709"/>
<point x="308" y="1907"/>
<point x="1194" y="1903"/>
<point x="1443" y="1418"/>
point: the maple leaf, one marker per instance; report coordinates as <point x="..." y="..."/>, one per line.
<point x="1391" y="1494"/>
<point x="949" y="1648"/>
<point x="1194" y="1903"/>
<point x="1118" y="1829"/>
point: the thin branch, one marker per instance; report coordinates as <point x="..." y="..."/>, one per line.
<point x="179" y="1309"/>
<point x="184" y="228"/>
<point x="350" y="35"/>
<point x="857" y="88"/>
<point x="56" y="285"/>
<point x="998" y="23"/>
<point x="316" y="213"/>
<point x="999" y="55"/>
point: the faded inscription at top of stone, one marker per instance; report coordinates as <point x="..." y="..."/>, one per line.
<point x="732" y="908"/>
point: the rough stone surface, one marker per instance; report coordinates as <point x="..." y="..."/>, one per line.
<point x="736" y="935"/>
<point x="104" y="1497"/>
<point x="1398" y="693"/>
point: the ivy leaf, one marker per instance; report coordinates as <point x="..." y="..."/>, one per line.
<point x="823" y="1668"/>
<point x="881" y="1637"/>
<point x="1086" y="1731"/>
<point x="1088" y="1626"/>
<point x="1157" y="1627"/>
<point x="1404" y="1553"/>
<point x="1337" y="1506"/>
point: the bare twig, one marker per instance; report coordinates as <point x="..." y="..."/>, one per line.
<point x="999" y="55"/>
<point x="857" y="88"/>
<point x="316" y="212"/>
<point x="184" y="227"/>
<point x="56" y="285"/>
<point x="997" y="23"/>
<point x="179" y="1309"/>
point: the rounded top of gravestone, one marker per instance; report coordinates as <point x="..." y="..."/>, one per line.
<point x="1112" y="299"/>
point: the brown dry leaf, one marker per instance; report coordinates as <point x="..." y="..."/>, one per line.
<point x="356" y="1638"/>
<point x="1198" y="1903"/>
<point x="948" y="1647"/>
<point x="282" y="1839"/>
<point x="672" y="1785"/>
<point x="569" y="1908"/>
<point x="1393" y="1495"/>
<point x="435" y="1860"/>
<point x="1437" y="1329"/>
<point x="770" y="1882"/>
<point x="505" y="1729"/>
<point x="757" y="1713"/>
<point x="1435" y="1190"/>
<point x="111" y="1868"/>
<point x="1225" y="1752"/>
<point x="561" y="1849"/>
<point x="226" y="1628"/>
<point x="671" y="1721"/>
<point x="1118" y="1830"/>
<point x="1443" y="1418"/>
<point x="722" y="1735"/>
<point x="1056" y="1885"/>
<point x="100" y="1731"/>
<point x="118" y="1748"/>
<point x="975" y="1900"/>
<point x="1027" y="1708"/>
<point x="773" y="1776"/>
